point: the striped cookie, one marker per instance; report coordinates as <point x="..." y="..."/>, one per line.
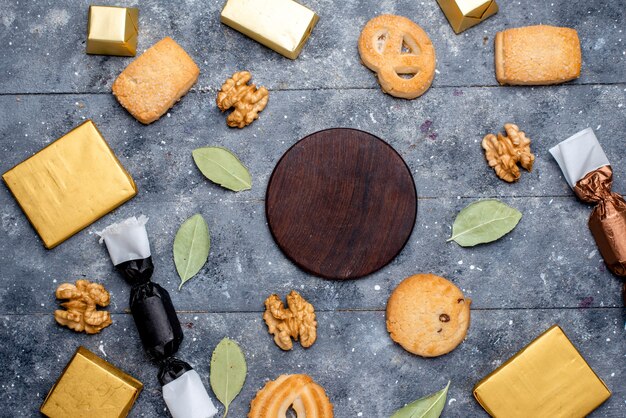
<point x="296" y="391"/>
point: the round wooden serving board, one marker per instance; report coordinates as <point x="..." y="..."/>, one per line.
<point x="341" y="203"/>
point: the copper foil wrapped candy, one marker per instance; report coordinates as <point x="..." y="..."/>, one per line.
<point x="150" y="304"/>
<point x="589" y="174"/>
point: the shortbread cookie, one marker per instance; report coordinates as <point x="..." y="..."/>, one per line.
<point x="393" y="46"/>
<point x="428" y="315"/>
<point x="537" y="55"/>
<point x="296" y="391"/>
<point x="156" y="80"/>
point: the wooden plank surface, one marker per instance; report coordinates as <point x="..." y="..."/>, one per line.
<point x="546" y="271"/>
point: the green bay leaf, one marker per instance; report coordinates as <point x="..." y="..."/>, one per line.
<point x="191" y="247"/>
<point x="484" y="221"/>
<point x="222" y="167"/>
<point x="228" y="372"/>
<point x="429" y="406"/>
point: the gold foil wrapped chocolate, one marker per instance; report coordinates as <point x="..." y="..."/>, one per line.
<point x="91" y="387"/>
<point x="588" y="172"/>
<point x="463" y="14"/>
<point x="112" y="30"/>
<point x="282" y="25"/>
<point x="69" y="184"/>
<point x="547" y="379"/>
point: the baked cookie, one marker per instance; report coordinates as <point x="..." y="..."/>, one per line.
<point x="156" y="80"/>
<point x="393" y="46"/>
<point x="428" y="315"/>
<point x="296" y="391"/>
<point x="537" y="55"/>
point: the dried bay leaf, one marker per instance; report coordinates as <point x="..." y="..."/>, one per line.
<point x="191" y="247"/>
<point x="484" y="221"/>
<point x="429" y="406"/>
<point x="228" y="372"/>
<point x="222" y="167"/>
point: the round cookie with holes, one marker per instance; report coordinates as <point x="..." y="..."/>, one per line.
<point x="428" y="315"/>
<point x="400" y="53"/>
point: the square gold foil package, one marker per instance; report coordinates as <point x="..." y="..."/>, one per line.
<point x="112" y="30"/>
<point x="69" y="184"/>
<point x="282" y="25"/>
<point x="463" y="14"/>
<point x="91" y="387"/>
<point x="547" y="379"/>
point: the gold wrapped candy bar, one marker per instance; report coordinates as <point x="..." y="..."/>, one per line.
<point x="112" y="30"/>
<point x="91" y="387"/>
<point x="463" y="14"/>
<point x="69" y="184"/>
<point x="547" y="379"/>
<point x="282" y="25"/>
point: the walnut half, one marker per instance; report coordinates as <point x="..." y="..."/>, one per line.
<point x="81" y="314"/>
<point x="297" y="321"/>
<point x="246" y="100"/>
<point x="504" y="153"/>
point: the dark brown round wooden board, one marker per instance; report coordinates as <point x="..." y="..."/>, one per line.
<point x="341" y="203"/>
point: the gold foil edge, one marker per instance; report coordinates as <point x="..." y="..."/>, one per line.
<point x="514" y="357"/>
<point x="52" y="244"/>
<point x="106" y="366"/>
<point x="459" y="20"/>
<point x="250" y="29"/>
<point x="125" y="46"/>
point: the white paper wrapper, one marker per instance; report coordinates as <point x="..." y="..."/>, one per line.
<point x="126" y="240"/>
<point x="578" y="155"/>
<point x="186" y="397"/>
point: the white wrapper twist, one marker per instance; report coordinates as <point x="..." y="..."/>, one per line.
<point x="186" y="397"/>
<point x="578" y="155"/>
<point x="126" y="240"/>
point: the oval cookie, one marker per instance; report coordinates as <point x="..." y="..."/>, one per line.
<point x="428" y="315"/>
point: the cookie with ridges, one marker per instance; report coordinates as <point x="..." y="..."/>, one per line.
<point x="296" y="391"/>
<point x="428" y="315"/>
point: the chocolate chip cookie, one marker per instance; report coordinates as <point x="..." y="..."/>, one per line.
<point x="428" y="315"/>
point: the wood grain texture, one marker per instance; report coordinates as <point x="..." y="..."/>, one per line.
<point x="341" y="203"/>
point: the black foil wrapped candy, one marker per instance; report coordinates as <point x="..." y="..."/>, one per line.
<point x="150" y="304"/>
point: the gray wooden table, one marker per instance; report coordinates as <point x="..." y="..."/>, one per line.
<point x="546" y="271"/>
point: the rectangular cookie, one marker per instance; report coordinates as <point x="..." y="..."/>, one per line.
<point x="155" y="81"/>
<point x="537" y="55"/>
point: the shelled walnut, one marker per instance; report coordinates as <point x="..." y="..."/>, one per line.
<point x="297" y="321"/>
<point x="246" y="99"/>
<point x="83" y="299"/>
<point x="505" y="152"/>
